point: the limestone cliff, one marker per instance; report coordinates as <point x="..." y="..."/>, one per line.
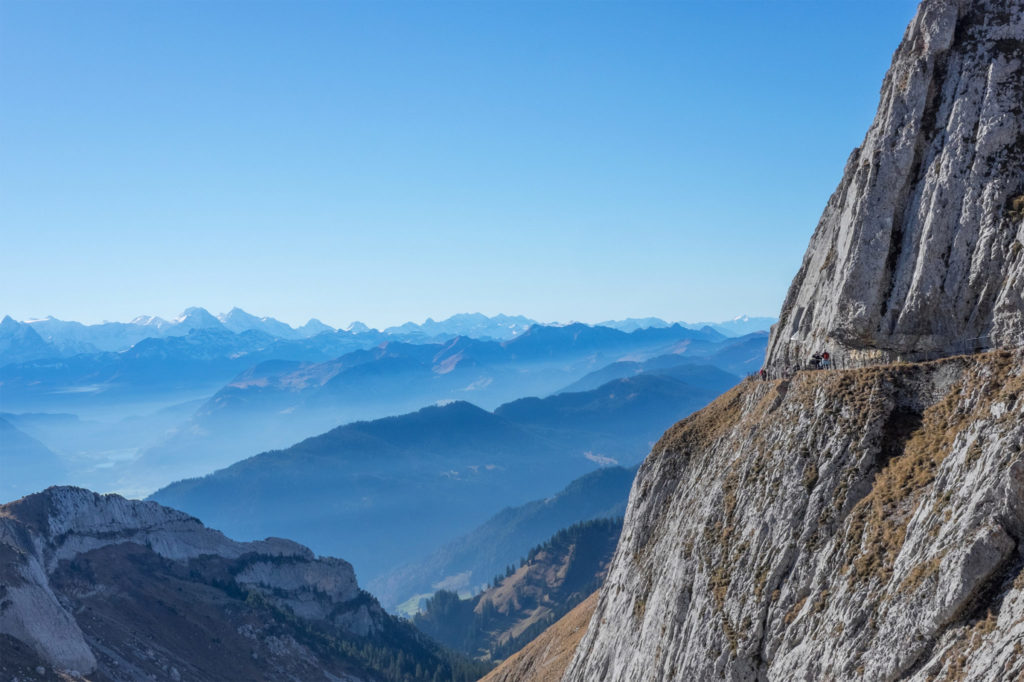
<point x="919" y="250"/>
<point x="117" y="589"/>
<point x="864" y="524"/>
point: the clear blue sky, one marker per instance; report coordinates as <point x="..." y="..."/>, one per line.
<point x="390" y="161"/>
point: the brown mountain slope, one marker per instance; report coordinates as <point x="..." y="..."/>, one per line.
<point x="545" y="658"/>
<point x="552" y="579"/>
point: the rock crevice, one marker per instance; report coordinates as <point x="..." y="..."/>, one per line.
<point x="918" y="250"/>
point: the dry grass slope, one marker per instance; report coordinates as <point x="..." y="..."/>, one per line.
<point x="545" y="658"/>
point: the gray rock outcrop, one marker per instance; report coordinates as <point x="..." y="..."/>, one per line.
<point x="857" y="525"/>
<point x="920" y="251"/>
<point x="39" y="532"/>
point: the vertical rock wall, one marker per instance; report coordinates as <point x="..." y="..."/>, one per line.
<point x="920" y="250"/>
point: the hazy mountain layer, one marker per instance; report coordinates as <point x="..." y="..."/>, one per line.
<point x="467" y="563"/>
<point x="738" y="357"/>
<point x="389" y="491"/>
<point x="142" y="401"/>
<point x="159" y="370"/>
<point x="26" y="464"/>
<point x="275" y="404"/>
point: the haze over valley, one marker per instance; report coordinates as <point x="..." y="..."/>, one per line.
<point x="836" y="493"/>
<point x="430" y="456"/>
<point x="204" y="392"/>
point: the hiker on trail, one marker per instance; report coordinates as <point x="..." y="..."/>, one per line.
<point x="816" y="361"/>
<point x="826" y="361"/>
<point x="764" y="374"/>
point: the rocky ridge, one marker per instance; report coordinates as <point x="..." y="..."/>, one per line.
<point x="39" y="531"/>
<point x="920" y="251"/>
<point x="118" y="589"/>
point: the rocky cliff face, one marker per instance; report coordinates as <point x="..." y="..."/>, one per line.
<point x="116" y="589"/>
<point x="920" y="248"/>
<point x="866" y="524"/>
<point x="39" y="532"/>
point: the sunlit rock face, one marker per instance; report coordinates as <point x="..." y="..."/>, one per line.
<point x="95" y="583"/>
<point x="864" y="524"/>
<point x="857" y="525"/>
<point x="919" y="250"/>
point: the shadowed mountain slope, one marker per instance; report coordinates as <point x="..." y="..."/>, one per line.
<point x="394" y="489"/>
<point x="25" y="463"/>
<point x="390" y="490"/>
<point x="551" y="579"/>
<point x="468" y="562"/>
<point x="546" y="657"/>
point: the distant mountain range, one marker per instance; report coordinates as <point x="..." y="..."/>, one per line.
<point x="392" y="490"/>
<point x="466" y="564"/>
<point x="201" y="392"/>
<point x="70" y="337"/>
<point x="65" y="338"/>
<point x="277" y="403"/>
<point x="167" y="369"/>
<point x="737" y="326"/>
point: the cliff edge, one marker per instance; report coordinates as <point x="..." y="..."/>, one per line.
<point x="920" y="251"/>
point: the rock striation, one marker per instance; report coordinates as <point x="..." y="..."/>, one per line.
<point x="864" y="524"/>
<point x="856" y="525"/>
<point x="920" y="250"/>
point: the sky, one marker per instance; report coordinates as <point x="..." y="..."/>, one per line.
<point x="389" y="161"/>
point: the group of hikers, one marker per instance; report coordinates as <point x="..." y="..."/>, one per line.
<point x="819" y="360"/>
